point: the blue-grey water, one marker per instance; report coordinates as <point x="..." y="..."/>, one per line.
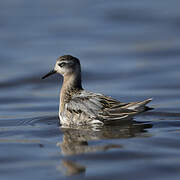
<point x="128" y="49"/>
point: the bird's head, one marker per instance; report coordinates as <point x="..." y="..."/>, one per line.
<point x="65" y="65"/>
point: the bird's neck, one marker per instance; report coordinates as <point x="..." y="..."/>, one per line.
<point x="72" y="82"/>
<point x="71" y="85"/>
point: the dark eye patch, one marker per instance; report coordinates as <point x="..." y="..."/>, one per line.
<point x="62" y="64"/>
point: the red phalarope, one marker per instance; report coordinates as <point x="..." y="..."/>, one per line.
<point x="80" y="107"/>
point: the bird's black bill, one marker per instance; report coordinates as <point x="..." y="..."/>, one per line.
<point x="48" y="74"/>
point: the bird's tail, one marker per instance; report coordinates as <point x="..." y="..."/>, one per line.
<point x="139" y="106"/>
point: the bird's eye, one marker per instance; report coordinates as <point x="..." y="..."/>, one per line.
<point x="62" y="64"/>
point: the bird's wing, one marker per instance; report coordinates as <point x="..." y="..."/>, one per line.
<point x="86" y="103"/>
<point x="123" y="111"/>
<point x="103" y="108"/>
<point x="115" y="110"/>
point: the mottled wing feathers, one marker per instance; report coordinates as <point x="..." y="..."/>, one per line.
<point x="103" y="108"/>
<point x="86" y="105"/>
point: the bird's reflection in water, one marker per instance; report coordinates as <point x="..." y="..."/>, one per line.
<point x="70" y="168"/>
<point x="75" y="141"/>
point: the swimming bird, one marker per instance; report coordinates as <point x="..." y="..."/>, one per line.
<point x="80" y="107"/>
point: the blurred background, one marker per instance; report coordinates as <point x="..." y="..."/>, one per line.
<point x="129" y="50"/>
